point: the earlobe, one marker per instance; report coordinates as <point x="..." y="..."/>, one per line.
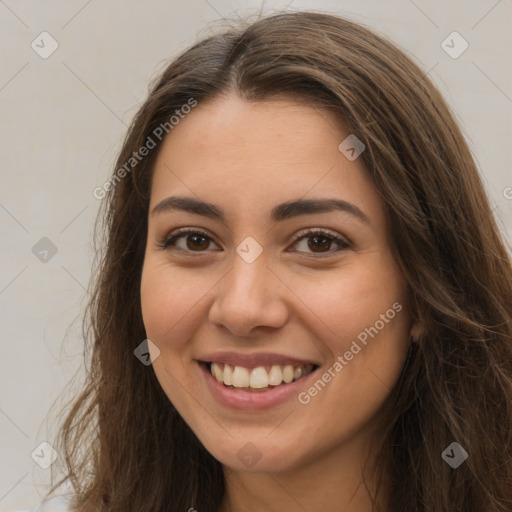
<point x="415" y="333"/>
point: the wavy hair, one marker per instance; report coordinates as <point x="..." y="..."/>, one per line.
<point x="456" y="385"/>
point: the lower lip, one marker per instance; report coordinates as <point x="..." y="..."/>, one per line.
<point x="253" y="400"/>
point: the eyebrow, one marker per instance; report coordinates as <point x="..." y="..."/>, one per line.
<point x="279" y="213"/>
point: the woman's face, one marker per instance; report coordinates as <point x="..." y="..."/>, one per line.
<point x="261" y="293"/>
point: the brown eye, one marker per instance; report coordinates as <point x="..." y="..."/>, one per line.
<point x="320" y="242"/>
<point x="195" y="241"/>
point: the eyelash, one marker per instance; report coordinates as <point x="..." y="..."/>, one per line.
<point x="169" y="241"/>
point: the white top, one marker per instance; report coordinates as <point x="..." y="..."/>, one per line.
<point x="56" y="504"/>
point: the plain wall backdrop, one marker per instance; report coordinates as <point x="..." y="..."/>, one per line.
<point x="64" y="115"/>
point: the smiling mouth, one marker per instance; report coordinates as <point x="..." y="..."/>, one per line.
<point x="261" y="378"/>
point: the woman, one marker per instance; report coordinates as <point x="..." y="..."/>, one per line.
<point x="298" y="240"/>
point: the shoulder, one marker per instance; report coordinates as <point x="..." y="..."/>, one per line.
<point x="56" y="504"/>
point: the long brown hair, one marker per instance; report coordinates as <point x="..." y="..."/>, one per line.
<point x="125" y="446"/>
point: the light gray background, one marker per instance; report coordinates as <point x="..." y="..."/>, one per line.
<point x="63" y="119"/>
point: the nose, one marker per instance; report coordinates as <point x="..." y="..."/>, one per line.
<point x="249" y="298"/>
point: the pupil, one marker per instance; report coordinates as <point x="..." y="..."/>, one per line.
<point x="194" y="245"/>
<point x="317" y="245"/>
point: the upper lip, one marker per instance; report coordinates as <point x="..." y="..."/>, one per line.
<point x="253" y="360"/>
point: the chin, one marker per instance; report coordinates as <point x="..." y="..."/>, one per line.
<point x="254" y="454"/>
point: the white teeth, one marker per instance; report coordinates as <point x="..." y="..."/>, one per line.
<point x="217" y="372"/>
<point x="275" y="377"/>
<point x="228" y="375"/>
<point x="240" y="377"/>
<point x="258" y="378"/>
<point x="288" y="373"/>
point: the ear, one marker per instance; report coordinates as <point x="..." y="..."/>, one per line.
<point x="416" y="331"/>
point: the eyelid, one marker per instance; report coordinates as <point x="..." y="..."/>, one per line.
<point x="323" y="231"/>
<point x="341" y="240"/>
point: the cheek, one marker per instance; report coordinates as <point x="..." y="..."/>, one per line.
<point x="362" y="318"/>
<point x="162" y="300"/>
<point x="169" y="301"/>
<point x="172" y="301"/>
<point x="353" y="299"/>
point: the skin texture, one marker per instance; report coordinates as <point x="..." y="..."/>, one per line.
<point x="247" y="157"/>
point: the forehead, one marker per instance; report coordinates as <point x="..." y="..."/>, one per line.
<point x="253" y="155"/>
<point x="234" y="129"/>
